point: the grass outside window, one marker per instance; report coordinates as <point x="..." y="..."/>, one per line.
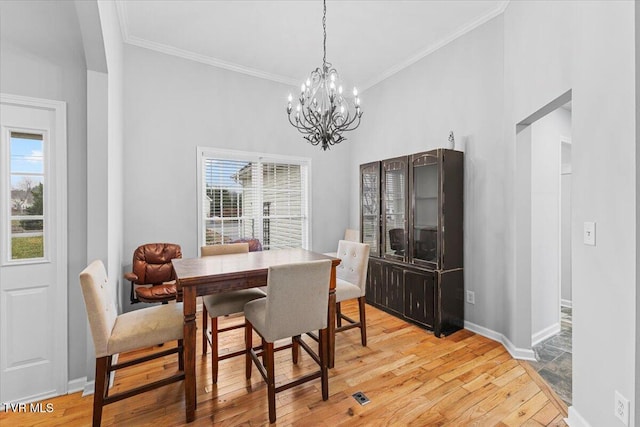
<point x="27" y="247"/>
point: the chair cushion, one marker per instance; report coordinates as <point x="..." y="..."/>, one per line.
<point x="346" y="290"/>
<point x="146" y="327"/>
<point x="159" y="292"/>
<point x="230" y="302"/>
<point x="255" y="313"/>
<point x="101" y="308"/>
<point x="296" y="300"/>
<point x="354" y="262"/>
<point x="152" y="263"/>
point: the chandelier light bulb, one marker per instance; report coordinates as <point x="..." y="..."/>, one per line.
<point x="289" y="98"/>
<point x="340" y="90"/>
<point x="302" y="88"/>
<point x="355" y="91"/>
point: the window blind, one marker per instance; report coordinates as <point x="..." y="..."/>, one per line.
<point x="254" y="198"/>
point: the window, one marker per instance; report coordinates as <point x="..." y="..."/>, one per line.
<point x="247" y="195"/>
<point x="27" y="178"/>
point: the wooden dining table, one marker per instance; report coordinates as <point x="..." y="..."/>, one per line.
<point x="224" y="273"/>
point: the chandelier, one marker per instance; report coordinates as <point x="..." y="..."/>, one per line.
<point x="323" y="113"/>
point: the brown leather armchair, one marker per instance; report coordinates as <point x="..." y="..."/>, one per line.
<point x="152" y="266"/>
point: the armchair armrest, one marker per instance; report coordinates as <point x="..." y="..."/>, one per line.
<point x="132" y="277"/>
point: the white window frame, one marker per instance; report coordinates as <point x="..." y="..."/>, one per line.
<point x="6" y="206"/>
<point x="225" y="154"/>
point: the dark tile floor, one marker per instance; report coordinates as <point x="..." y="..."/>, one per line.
<point x="553" y="357"/>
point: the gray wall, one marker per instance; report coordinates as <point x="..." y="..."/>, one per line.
<point x="41" y="56"/>
<point x="551" y="47"/>
<point x="546" y="135"/>
<point x="172" y="106"/>
<point x="543" y="49"/>
<point x="565" y="226"/>
<point x="459" y="88"/>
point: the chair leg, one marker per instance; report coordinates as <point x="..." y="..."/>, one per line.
<point x="181" y="355"/>
<point x="338" y="314"/>
<point x="205" y="320"/>
<point x="295" y="349"/>
<point x="271" y="381"/>
<point x="214" y="349"/>
<point x="264" y="357"/>
<point x="100" y="388"/>
<point x="248" y="345"/>
<point x="363" y="321"/>
<point x="108" y="374"/>
<point x="323" y="349"/>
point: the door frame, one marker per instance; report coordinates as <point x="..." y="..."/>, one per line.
<point x="59" y="109"/>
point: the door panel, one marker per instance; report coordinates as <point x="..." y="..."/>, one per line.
<point x="419" y="297"/>
<point x="395" y="281"/>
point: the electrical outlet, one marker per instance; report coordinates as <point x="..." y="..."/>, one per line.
<point x="621" y="408"/>
<point x="471" y="297"/>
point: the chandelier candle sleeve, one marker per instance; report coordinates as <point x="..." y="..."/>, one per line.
<point x="323" y="113"/>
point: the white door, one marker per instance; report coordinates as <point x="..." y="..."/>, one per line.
<point x="33" y="253"/>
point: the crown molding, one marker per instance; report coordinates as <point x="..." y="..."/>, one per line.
<point x="434" y="47"/>
<point x="204" y="59"/>
<point x="192" y="56"/>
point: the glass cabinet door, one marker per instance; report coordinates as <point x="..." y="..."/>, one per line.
<point x="395" y="208"/>
<point x="424" y="224"/>
<point x="370" y="206"/>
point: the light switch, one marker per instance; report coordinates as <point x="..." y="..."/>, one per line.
<point x="590" y="233"/>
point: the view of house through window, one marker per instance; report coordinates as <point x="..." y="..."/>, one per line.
<point x="27" y="176"/>
<point x="254" y="198"/>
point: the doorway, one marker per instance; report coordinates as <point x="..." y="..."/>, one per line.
<point x="544" y="235"/>
<point x="33" y="249"/>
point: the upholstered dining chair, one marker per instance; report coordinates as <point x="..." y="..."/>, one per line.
<point x="350" y="235"/>
<point x="351" y="277"/>
<point x="153" y="279"/>
<point x="113" y="333"/>
<point x="223" y="304"/>
<point x="296" y="303"/>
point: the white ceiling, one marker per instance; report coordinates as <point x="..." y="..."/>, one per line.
<point x="367" y="41"/>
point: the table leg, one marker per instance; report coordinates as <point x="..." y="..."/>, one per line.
<point x="189" y="301"/>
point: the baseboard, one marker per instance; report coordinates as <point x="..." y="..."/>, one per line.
<point x="548" y="332"/>
<point x="566" y="303"/>
<point x="575" y="419"/>
<point x="89" y="387"/>
<point x="76" y="385"/>
<point x="515" y="352"/>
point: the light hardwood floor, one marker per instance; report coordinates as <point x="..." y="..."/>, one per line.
<point x="410" y="376"/>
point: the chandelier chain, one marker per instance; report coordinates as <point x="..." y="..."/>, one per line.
<point x="323" y="114"/>
<point x="324" y="30"/>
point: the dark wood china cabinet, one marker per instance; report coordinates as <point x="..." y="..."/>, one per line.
<point x="411" y="216"/>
